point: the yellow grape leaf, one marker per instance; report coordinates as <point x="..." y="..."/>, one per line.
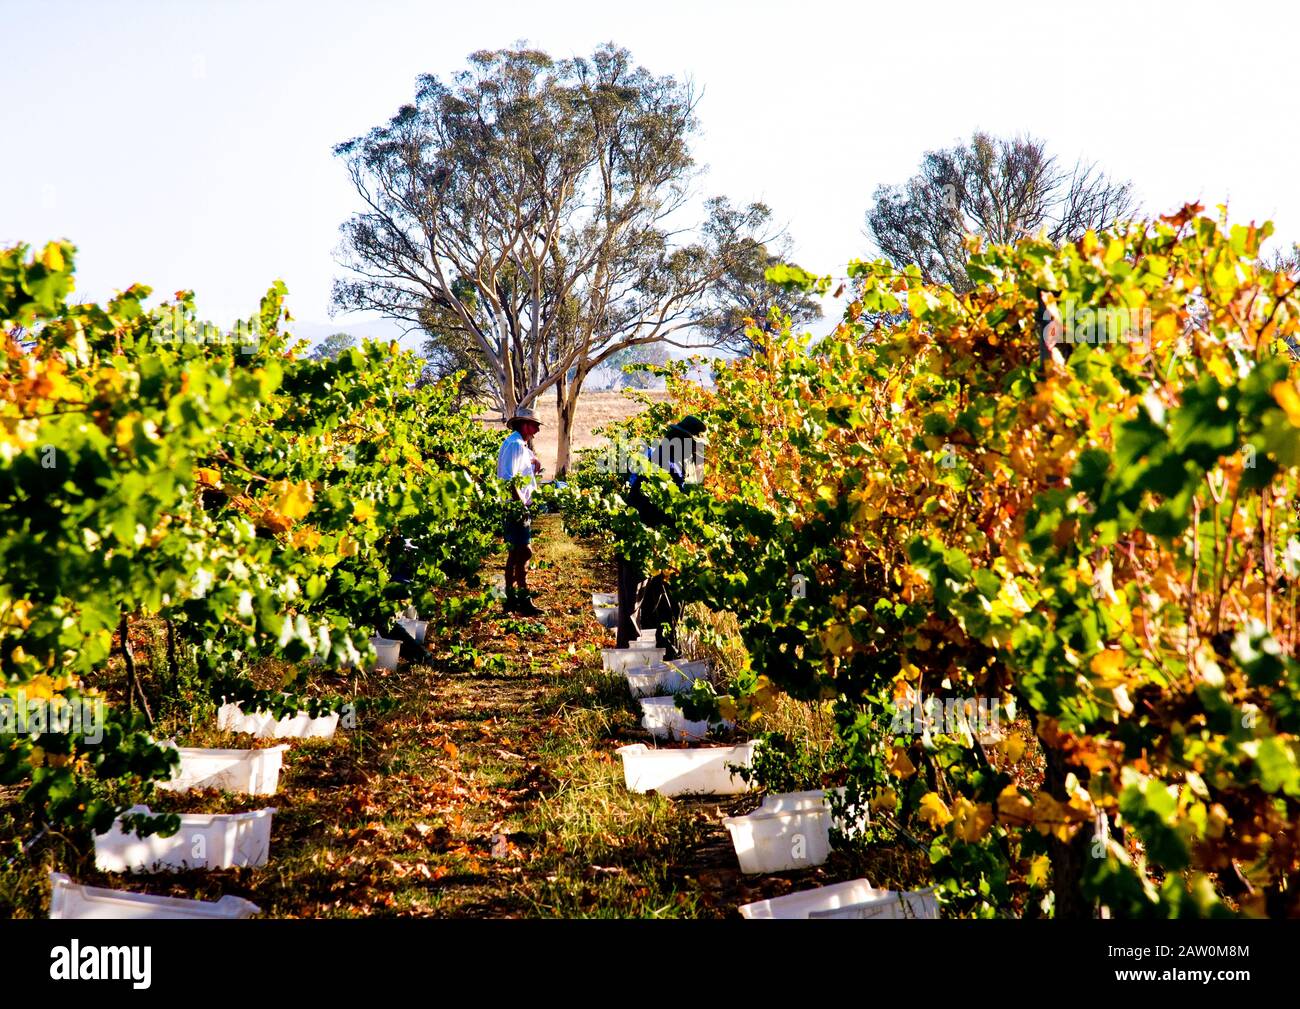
<point x="885" y="800"/>
<point x="1220" y="369"/>
<point x="1289" y="400"/>
<point x="292" y="500"/>
<point x="348" y="547"/>
<point x="1014" y="808"/>
<point x="901" y="766"/>
<point x="1038" y="867"/>
<point x="124" y="431"/>
<point x="1049" y="817"/>
<point x="727" y="708"/>
<point x="207" y="476"/>
<point x="1011" y="596"/>
<point x="970" y="822"/>
<point x="308" y="539"/>
<point x="837" y="639"/>
<point x="52" y="257"/>
<point x="1108" y="665"/>
<point x="765" y="694"/>
<point x="1013" y="747"/>
<point x="1165" y="328"/>
<point x="934" y="811"/>
<point x="20" y="612"/>
<point x="363" y="511"/>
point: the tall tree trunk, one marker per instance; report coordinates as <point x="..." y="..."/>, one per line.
<point x="1069" y="858"/>
<point x="566" y="409"/>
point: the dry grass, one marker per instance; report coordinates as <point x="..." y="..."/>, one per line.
<point x="595" y="410"/>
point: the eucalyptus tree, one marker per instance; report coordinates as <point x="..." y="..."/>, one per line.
<point x="536" y="215"/>
<point x="1001" y="189"/>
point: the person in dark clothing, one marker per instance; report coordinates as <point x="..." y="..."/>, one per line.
<point x="646" y="602"/>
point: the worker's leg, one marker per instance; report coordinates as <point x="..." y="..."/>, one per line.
<point x="628" y="578"/>
<point x="523" y="554"/>
<point x="653" y="612"/>
<point x="671" y="612"/>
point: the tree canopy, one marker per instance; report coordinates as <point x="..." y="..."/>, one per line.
<point x="1002" y="189"/>
<point x="532" y="216"/>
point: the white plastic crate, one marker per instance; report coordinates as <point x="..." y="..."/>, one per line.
<point x="783" y="802"/>
<point x="263" y="724"/>
<point x="661" y="717"/>
<point x="256" y="772"/>
<point x="894" y="904"/>
<point x="816" y="798"/>
<point x="599" y="599"/>
<point x="789" y="831"/>
<point x="71" y="901"/>
<point x="701" y="771"/>
<point x="805" y="902"/>
<point x="649" y="681"/>
<point x="781" y="841"/>
<point x="387" y="652"/>
<point x="204" y="841"/>
<point x="618" y="660"/>
<point x="691" y="671"/>
<point x="664" y="677"/>
<point x="417" y="629"/>
<point x="607" y="617"/>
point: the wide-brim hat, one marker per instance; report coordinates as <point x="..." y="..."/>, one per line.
<point x="689" y="426"/>
<point x="522" y="414"/>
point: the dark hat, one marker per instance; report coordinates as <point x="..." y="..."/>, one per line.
<point x="689" y="426"/>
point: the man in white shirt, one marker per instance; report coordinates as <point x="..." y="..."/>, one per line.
<point x="518" y="466"/>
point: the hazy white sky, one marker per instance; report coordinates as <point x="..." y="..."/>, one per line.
<point x="187" y="144"/>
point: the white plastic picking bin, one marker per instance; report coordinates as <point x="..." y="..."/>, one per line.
<point x="71" y="901"/>
<point x="417" y="629"/>
<point x="805" y="902"/>
<point x="387" y="652"/>
<point x="699" y="771"/>
<point x="661" y="717"/>
<point x="664" y="677"/>
<point x="600" y="599"/>
<point x="648" y="681"/>
<point x="785" y="802"/>
<point x="771" y="841"/>
<point x="256" y="772"/>
<point x="691" y="671"/>
<point x="204" y="841"/>
<point x="789" y="831"/>
<point x="895" y="904"/>
<point x="647" y="638"/>
<point x="619" y="660"/>
<point x="263" y="724"/>
<point x="607" y="617"/>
